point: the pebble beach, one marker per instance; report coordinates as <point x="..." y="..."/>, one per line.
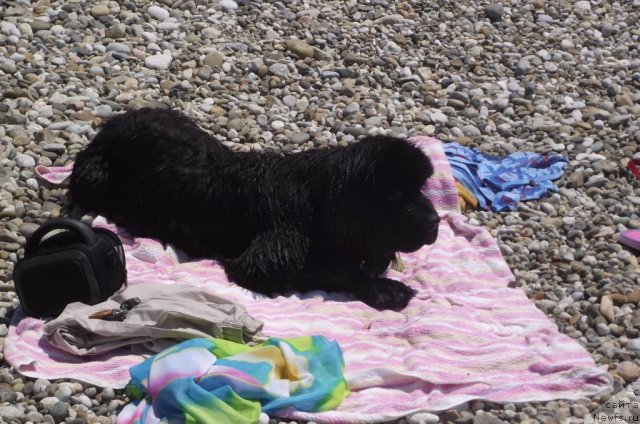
<point x="550" y="77"/>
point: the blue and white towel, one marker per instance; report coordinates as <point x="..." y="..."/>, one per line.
<point x="500" y="183"/>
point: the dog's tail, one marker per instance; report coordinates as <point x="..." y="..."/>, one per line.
<point x="89" y="181"/>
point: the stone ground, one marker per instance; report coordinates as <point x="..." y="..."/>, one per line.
<point x="543" y="76"/>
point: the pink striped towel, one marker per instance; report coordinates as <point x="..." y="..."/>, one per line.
<point x="466" y="335"/>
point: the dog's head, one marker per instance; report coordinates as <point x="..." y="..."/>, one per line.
<point x="381" y="197"/>
<point x="407" y="218"/>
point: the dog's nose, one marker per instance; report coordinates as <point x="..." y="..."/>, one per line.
<point x="433" y="220"/>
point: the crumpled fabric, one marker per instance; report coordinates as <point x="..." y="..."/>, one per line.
<point x="466" y="198"/>
<point x="499" y="183"/>
<point x="204" y="381"/>
<point x="167" y="315"/>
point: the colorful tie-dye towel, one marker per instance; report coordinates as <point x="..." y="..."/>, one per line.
<point x="203" y="381"/>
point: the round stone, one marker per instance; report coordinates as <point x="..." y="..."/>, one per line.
<point x="25" y="161"/>
<point x="214" y="59"/>
<point x="583" y="5"/>
<point x="300" y="138"/>
<point x="159" y="61"/>
<point x="279" y="69"/>
<point x="228" y="5"/>
<point x="423" y="418"/>
<point x="494" y="11"/>
<point x="633" y="345"/>
<point x="602" y="329"/>
<point x="158" y="13"/>
<point x="374" y="121"/>
<point x="289" y="101"/>
<point x="236" y="124"/>
<point x="59" y="411"/>
<point x="11" y="413"/>
<point x="107" y="394"/>
<point x="64" y="393"/>
<point x="118" y="47"/>
<point x="629" y="371"/>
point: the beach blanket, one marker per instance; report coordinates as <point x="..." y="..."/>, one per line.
<point x="55" y="175"/>
<point x="500" y="183"/>
<point x="218" y="381"/>
<point x="466" y="335"/>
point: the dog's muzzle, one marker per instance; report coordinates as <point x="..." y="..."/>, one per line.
<point x="432" y="230"/>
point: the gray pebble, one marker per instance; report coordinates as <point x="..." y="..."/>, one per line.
<point x="633" y="345"/>
<point x="11" y="412"/>
<point x="64" y="393"/>
<point x="523" y="67"/>
<point x="7" y="394"/>
<point x="59" y="411"/>
<point x="494" y="11"/>
<point x="289" y="101"/>
<point x="279" y="69"/>
<point x="25" y="161"/>
<point x="299" y="138"/>
<point x="107" y="394"/>
<point x="373" y="121"/>
<point x="602" y="329"/>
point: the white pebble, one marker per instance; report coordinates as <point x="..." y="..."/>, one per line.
<point x="158" y="13"/>
<point x="438" y="117"/>
<point x="566" y="44"/>
<point x="150" y="36"/>
<point x="25" y="161"/>
<point x="633" y="344"/>
<point x="582" y="5"/>
<point x="102" y="111"/>
<point x="82" y="400"/>
<point x="159" y="61"/>
<point x="168" y="25"/>
<point x="228" y="5"/>
<point x="9" y="28"/>
<point x="17" y="57"/>
<point x="423" y="418"/>
<point x="32" y="183"/>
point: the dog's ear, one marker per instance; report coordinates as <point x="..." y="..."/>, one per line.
<point x="397" y="162"/>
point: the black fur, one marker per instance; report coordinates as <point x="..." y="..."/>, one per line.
<point x="323" y="219"/>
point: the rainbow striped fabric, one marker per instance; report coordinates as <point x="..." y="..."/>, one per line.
<point x="217" y="381"/>
<point x="465" y="335"/>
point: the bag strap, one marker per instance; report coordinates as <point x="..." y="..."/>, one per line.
<point x="119" y="251"/>
<point x="72" y="225"/>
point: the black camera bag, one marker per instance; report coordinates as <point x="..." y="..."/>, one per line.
<point x="79" y="264"/>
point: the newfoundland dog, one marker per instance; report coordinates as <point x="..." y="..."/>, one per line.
<point x="320" y="219"/>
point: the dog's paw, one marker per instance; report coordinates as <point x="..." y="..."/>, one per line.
<point x="383" y="293"/>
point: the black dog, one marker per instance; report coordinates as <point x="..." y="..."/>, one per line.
<point x="324" y="219"/>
